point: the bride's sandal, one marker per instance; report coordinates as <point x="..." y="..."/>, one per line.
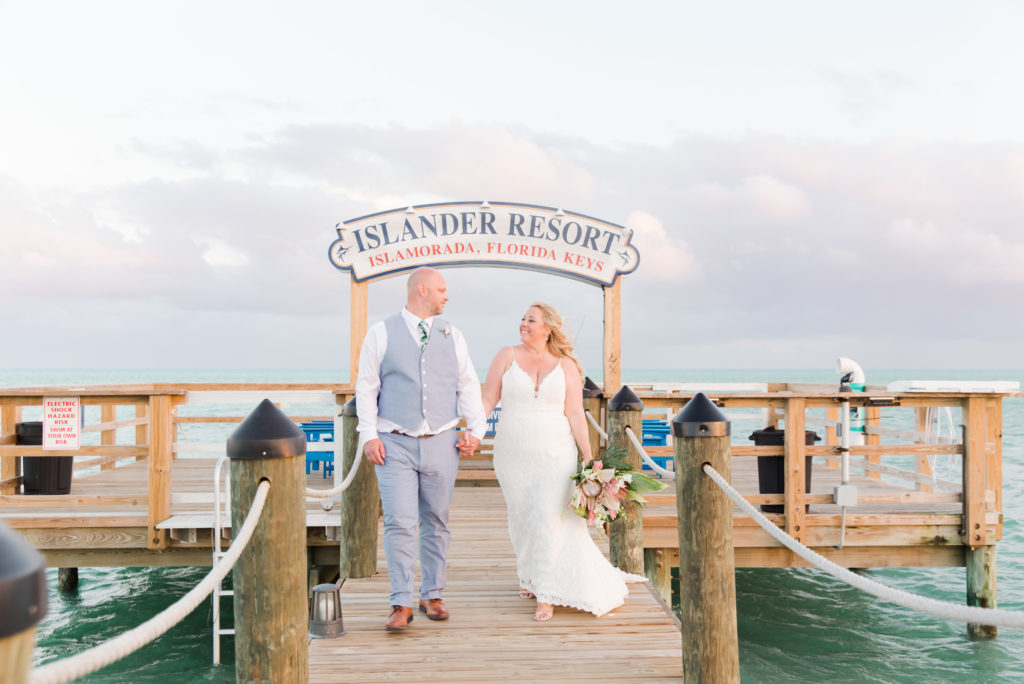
<point x="544" y="612"/>
<point x="525" y="593"/>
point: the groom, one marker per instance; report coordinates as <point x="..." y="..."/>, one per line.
<point x="415" y="377"/>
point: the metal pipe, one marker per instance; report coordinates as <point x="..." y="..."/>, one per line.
<point x="844" y="442"/>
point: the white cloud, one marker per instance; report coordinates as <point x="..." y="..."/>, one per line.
<point x="842" y="257"/>
<point x="661" y="256"/>
<point x="970" y="257"/>
<point x="774" y="199"/>
<point x="753" y="222"/>
<point x="220" y="253"/>
<point x="761" y="196"/>
<point x="1015" y="171"/>
<point x="864" y="93"/>
<point x="37" y="260"/>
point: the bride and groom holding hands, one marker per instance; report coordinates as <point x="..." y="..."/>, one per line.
<point x="415" y="380"/>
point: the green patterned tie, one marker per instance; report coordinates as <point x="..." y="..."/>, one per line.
<point x="423" y="335"/>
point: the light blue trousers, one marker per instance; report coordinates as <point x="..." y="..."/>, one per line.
<point x="416" y="483"/>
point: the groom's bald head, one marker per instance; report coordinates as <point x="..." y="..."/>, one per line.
<point x="422" y="276"/>
<point x="427" y="292"/>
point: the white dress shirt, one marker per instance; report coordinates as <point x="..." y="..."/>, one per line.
<point x="368" y="384"/>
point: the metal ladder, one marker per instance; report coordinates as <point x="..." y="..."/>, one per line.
<point x="218" y="589"/>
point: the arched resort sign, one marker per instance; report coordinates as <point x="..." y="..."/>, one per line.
<point x="503" y="234"/>
<point x="484" y="233"/>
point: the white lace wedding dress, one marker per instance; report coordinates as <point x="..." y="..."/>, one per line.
<point x="534" y="456"/>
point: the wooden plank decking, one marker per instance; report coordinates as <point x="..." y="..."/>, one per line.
<point x="491" y="635"/>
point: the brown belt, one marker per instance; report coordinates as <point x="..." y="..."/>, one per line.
<point x="396" y="432"/>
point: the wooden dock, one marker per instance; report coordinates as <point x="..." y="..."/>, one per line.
<point x="492" y="635"/>
<point x="138" y="501"/>
<point x="143" y="497"/>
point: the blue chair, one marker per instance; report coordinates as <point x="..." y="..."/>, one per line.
<point x="319" y="432"/>
<point x="492" y="422"/>
<point x="655" y="433"/>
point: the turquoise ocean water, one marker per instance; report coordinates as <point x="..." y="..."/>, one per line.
<point x="794" y="625"/>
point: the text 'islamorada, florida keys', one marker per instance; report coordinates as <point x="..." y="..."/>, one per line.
<point x="481" y="233"/>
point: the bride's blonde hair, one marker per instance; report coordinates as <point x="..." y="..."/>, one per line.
<point x="558" y="343"/>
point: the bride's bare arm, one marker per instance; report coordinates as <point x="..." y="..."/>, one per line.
<point x="574" y="407"/>
<point x="492" y="385"/>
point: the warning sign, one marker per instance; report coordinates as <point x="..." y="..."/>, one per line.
<point x="62" y="419"/>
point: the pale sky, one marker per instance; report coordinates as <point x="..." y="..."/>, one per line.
<point x="804" y="179"/>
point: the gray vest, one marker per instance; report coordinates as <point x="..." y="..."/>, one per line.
<point x="417" y="385"/>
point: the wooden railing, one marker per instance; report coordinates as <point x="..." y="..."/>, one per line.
<point x="155" y="421"/>
<point x="791" y="406"/>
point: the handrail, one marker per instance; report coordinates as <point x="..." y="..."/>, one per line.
<point x="951" y="611"/>
<point x="328" y="493"/>
<point x="81" y="664"/>
<point x="667" y="474"/>
<point x="116" y="424"/>
<point x="218" y="554"/>
<point x="597" y="428"/>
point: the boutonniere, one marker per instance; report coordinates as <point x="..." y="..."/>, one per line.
<point x="446" y="331"/>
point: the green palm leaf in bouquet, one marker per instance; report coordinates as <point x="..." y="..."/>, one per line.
<point x="638" y="483"/>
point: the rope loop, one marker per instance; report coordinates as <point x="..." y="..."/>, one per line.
<point x="593" y="421"/>
<point x="667" y="474"/>
<point x="951" y="611"/>
<point x="328" y="493"/>
<point x="124" y="644"/>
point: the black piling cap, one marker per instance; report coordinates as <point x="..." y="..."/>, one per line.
<point x="266" y="433"/>
<point x="591" y="389"/>
<point x="625" y="400"/>
<point x="349" y="409"/>
<point x="700" y="418"/>
<point x="22" y="584"/>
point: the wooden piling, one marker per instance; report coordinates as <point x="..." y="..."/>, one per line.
<point x="707" y="582"/>
<point x="980" y="554"/>
<point x="359" y="505"/>
<point x="592" y="402"/>
<point x="626" y="532"/>
<point x="22" y="604"/>
<point x="270" y="605"/>
<point x="658" y="568"/>
<point x="67" y="579"/>
<point x="981" y="587"/>
<point x="161" y="443"/>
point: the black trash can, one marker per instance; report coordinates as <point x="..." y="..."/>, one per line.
<point x="42" y="474"/>
<point x="771" y="470"/>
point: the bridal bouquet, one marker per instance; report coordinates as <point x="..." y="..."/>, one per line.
<point x="604" y="485"/>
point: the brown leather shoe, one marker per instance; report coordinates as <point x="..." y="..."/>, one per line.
<point x="434" y="609"/>
<point x="400" y="618"/>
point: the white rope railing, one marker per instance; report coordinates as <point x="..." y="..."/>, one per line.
<point x="667" y="474"/>
<point x="79" y="665"/>
<point x="943" y="609"/>
<point x="328" y="493"/>
<point x="593" y="421"/>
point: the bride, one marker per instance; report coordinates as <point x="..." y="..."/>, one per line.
<point x="539" y="384"/>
